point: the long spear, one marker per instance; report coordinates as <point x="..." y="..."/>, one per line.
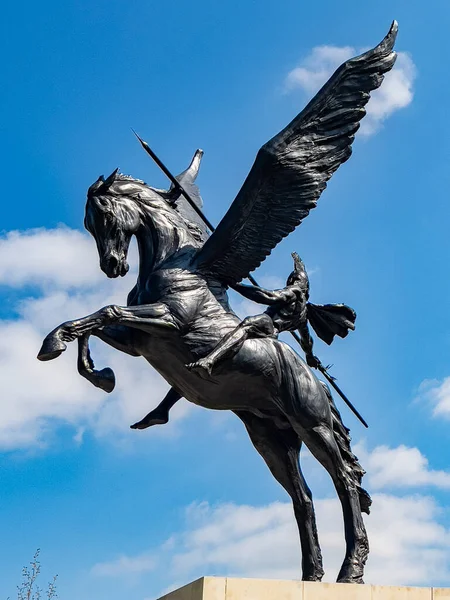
<point x="331" y="380"/>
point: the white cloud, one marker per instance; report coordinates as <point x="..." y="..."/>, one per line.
<point x="62" y="265"/>
<point x="408" y="544"/>
<point x="399" y="467"/>
<point x="317" y="67"/>
<point x="125" y="565"/>
<point x="395" y="93"/>
<point x="436" y="393"/>
<point x="62" y="256"/>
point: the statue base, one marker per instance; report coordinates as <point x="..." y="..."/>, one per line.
<point x="229" y="588"/>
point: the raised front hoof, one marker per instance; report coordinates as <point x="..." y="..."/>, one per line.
<point x="51" y="348"/>
<point x="105" y="380"/>
<point x="156" y="419"/>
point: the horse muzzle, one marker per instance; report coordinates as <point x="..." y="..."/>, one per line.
<point x="113" y="266"/>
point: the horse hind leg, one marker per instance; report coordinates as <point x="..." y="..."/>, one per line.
<point x="322" y="444"/>
<point x="280" y="449"/>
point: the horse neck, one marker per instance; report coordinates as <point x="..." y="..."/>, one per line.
<point x="158" y="239"/>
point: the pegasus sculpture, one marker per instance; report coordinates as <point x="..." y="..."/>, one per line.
<point x="178" y="311"/>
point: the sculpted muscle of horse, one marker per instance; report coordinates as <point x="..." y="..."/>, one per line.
<point x="178" y="310"/>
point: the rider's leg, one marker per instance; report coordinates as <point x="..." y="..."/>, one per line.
<point x="251" y="327"/>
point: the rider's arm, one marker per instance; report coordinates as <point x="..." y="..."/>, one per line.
<point x="306" y="343"/>
<point x="262" y="296"/>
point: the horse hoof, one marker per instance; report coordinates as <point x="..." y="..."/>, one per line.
<point x="358" y="580"/>
<point x="148" y="422"/>
<point x="350" y="578"/>
<point x="51" y="348"/>
<point x="315" y="575"/>
<point x="105" y="380"/>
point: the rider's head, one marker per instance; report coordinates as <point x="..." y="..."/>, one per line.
<point x="299" y="274"/>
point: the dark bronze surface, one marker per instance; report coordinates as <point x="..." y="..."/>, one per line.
<point x="178" y="311"/>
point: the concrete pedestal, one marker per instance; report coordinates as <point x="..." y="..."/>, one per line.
<point x="229" y="588"/>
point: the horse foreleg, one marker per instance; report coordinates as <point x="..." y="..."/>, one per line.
<point x="116" y="336"/>
<point x="280" y="449"/>
<point x="322" y="444"/>
<point x="103" y="379"/>
<point x="150" y="318"/>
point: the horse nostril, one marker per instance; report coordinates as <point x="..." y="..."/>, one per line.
<point x="110" y="263"/>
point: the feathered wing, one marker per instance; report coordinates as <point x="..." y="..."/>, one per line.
<point x="291" y="171"/>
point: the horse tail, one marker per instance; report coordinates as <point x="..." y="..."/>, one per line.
<point x="343" y="439"/>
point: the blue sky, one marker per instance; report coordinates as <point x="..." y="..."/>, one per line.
<point x="119" y="513"/>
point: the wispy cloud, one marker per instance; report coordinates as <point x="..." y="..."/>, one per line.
<point x="400" y="467"/>
<point x="409" y="545"/>
<point x="125" y="565"/>
<point x="314" y="70"/>
<point x="436" y="393"/>
<point x="61" y="257"/>
<point x="396" y="92"/>
<point x="61" y="265"/>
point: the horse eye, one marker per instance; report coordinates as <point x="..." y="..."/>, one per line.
<point x="102" y="201"/>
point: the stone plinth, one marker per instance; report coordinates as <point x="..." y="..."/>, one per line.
<point x="229" y="588"/>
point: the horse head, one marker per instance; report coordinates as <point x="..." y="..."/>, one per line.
<point x="119" y="207"/>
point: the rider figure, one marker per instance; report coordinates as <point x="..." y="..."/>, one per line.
<point x="288" y="310"/>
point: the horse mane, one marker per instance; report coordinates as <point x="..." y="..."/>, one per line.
<point x="139" y="194"/>
<point x="123" y="177"/>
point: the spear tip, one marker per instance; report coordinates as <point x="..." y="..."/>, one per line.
<point x="139" y="138"/>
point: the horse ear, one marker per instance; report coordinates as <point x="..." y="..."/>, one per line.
<point x="96" y="185"/>
<point x="109" y="180"/>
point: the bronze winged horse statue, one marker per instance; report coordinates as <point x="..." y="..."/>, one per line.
<point x="178" y="310"/>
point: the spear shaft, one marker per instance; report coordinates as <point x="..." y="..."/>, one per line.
<point x="180" y="188"/>
<point x="175" y="181"/>
<point x="332" y="381"/>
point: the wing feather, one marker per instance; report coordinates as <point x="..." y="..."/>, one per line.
<point x="291" y="171"/>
